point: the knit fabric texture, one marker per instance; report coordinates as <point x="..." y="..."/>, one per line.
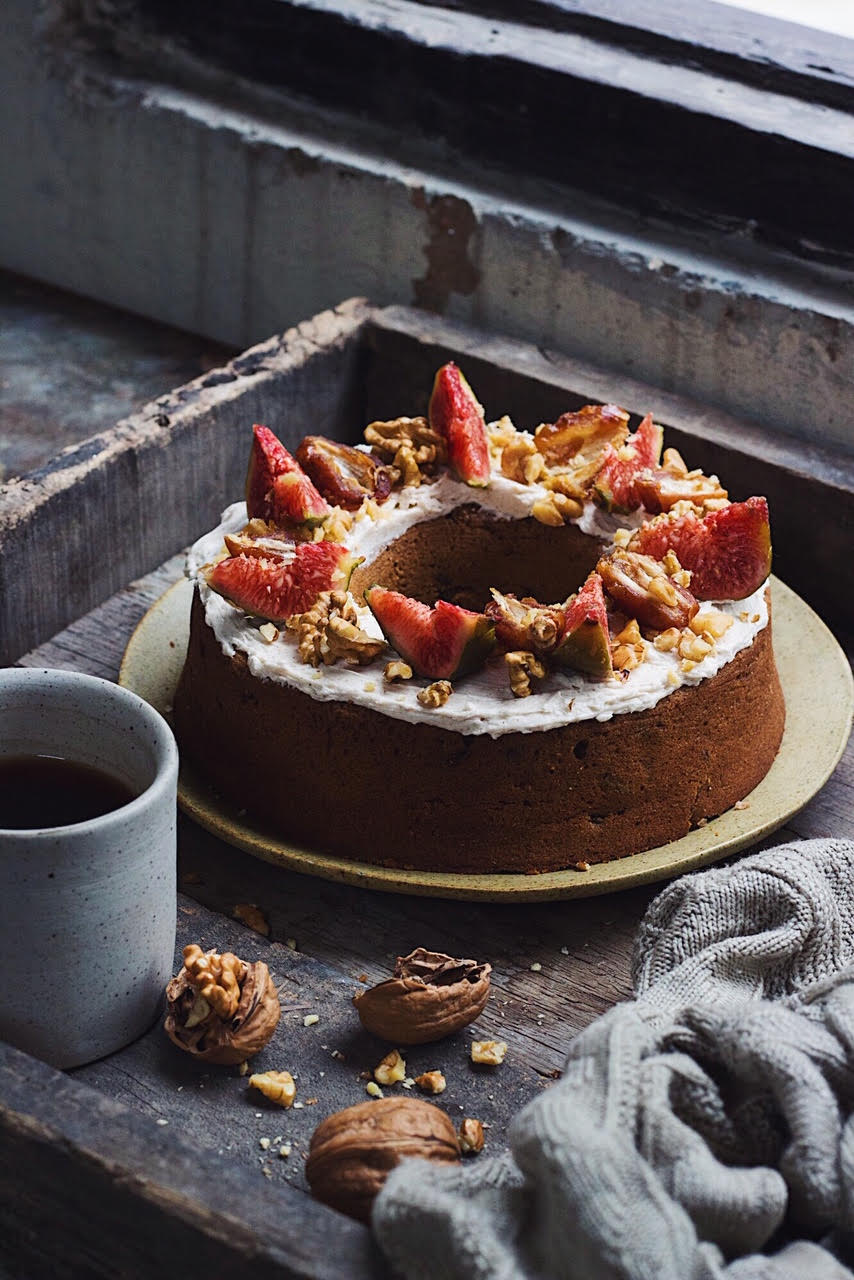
<point x="701" y="1130"/>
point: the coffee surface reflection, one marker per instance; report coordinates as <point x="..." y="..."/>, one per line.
<point x="40" y="791"/>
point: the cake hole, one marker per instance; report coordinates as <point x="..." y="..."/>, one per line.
<point x="580" y="749"/>
<point x="459" y="556"/>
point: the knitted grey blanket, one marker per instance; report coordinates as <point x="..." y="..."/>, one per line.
<point x="702" y="1130"/>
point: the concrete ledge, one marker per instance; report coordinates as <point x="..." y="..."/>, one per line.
<point x="221" y="222"/>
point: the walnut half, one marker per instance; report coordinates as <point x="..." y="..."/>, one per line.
<point x="430" y="996"/>
<point x="353" y="1151"/>
<point x="219" y="1008"/>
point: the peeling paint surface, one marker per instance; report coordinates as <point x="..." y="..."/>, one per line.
<point x="234" y="226"/>
<point x="452" y="224"/>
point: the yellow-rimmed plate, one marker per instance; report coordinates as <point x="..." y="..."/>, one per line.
<point x="819" y="692"/>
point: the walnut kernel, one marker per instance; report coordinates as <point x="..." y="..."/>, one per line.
<point x="431" y="1082"/>
<point x="471" y="1137"/>
<point x="435" y="694"/>
<point x="522" y="669"/>
<point x="488" y="1052"/>
<point x="391" y="1070"/>
<point x="219" y="1008"/>
<point x="396" y="670"/>
<point x="278" y="1086"/>
<point x="329" y="632"/>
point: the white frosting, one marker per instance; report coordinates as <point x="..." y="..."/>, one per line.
<point x="482" y="702"/>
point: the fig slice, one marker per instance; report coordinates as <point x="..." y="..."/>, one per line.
<point x="442" y="643"/>
<point x="524" y="624"/>
<point x="294" y="499"/>
<point x="277" y="488"/>
<point x="343" y="474"/>
<point x="578" y="439"/>
<point x="614" y="485"/>
<point x="268" y="458"/>
<point x="456" y="414"/>
<point x="584" y="643"/>
<point x="727" y="551"/>
<point x="275" y="589"/>
<point x="641" y="588"/>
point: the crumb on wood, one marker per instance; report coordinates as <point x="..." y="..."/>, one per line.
<point x="250" y="914"/>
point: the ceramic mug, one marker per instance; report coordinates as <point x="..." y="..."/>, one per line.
<point x="87" y="910"/>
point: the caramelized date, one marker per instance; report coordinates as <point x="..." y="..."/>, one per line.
<point x="579" y="438"/>
<point x="659" y="490"/>
<point x="641" y="589"/>
<point x="344" y="475"/>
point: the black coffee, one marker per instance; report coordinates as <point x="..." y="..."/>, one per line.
<point x="48" y="791"/>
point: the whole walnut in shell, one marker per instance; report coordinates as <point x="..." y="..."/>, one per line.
<point x="219" y="1008"/>
<point x="430" y="996"/>
<point x="352" y="1152"/>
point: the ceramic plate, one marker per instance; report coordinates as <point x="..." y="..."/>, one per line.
<point x="819" y="693"/>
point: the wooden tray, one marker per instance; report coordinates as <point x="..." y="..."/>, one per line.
<point x="819" y="703"/>
<point x="91" y="1183"/>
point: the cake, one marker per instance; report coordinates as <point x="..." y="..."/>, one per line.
<point x="493" y="731"/>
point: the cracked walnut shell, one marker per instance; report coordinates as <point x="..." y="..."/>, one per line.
<point x="352" y="1152"/>
<point x="193" y="1022"/>
<point x="430" y="996"/>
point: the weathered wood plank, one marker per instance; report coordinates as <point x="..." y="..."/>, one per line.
<point x="117" y="505"/>
<point x="92" y="1187"/>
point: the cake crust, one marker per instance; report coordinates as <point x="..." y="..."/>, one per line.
<point x="347" y="780"/>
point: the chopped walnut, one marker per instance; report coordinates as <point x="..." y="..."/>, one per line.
<point x="409" y="445"/>
<point x="499" y="435"/>
<point x="391" y="1070"/>
<point x="405" y="464"/>
<point x="630" y="633"/>
<point x="336" y="526"/>
<point x="489" y="1053"/>
<point x="522" y="669"/>
<point x="250" y="914"/>
<point x="436" y="694"/>
<point x="471" y="1137"/>
<point x="329" y="632"/>
<point x="693" y="647"/>
<point x="628" y="649"/>
<point x="278" y="1086"/>
<point x="431" y="1082"/>
<point x="397" y="670"/>
<point x="673" y="462"/>
<point x="217" y="978"/>
<point x="521" y="460"/>
<point x="566" y="483"/>
<point x="667" y="640"/>
<point x="661" y="588"/>
<point x="711" y="625"/>
<point x="556" y="509"/>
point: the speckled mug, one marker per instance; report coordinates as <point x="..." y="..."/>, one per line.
<point x="87" y="911"/>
